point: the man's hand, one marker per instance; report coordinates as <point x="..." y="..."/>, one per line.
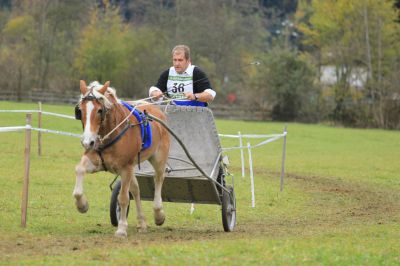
<point x="190" y="96"/>
<point x="156" y="94"/>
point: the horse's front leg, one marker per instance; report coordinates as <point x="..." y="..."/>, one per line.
<point x="84" y="166"/>
<point x="123" y="200"/>
<point x="141" y="220"/>
<point x="159" y="216"/>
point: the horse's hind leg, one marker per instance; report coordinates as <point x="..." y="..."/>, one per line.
<point x="141" y="225"/>
<point x="84" y="166"/>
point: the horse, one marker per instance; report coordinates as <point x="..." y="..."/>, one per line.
<point x="114" y="145"/>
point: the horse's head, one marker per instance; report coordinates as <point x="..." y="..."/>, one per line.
<point x="91" y="110"/>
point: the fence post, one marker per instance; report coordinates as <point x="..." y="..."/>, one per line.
<point x="25" y="188"/>
<point x="283" y="157"/>
<point x="241" y="152"/>
<point x="253" y="198"/>
<point x="40" y="126"/>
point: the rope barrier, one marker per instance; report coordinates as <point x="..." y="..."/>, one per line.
<point x="276" y="137"/>
<point x="37" y="111"/>
<point x="269" y="138"/>
<point x="11" y="129"/>
<point x="21" y="128"/>
<point x="57" y="132"/>
<point x="59" y="115"/>
<point x="19" y="111"/>
<point x="250" y="136"/>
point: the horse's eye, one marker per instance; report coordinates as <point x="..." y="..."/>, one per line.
<point x="100" y="111"/>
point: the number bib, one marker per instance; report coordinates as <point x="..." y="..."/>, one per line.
<point x="177" y="84"/>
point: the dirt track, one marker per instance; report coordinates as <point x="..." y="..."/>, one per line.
<point x="339" y="203"/>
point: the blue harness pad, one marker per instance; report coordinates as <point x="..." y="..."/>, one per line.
<point x="145" y="128"/>
<point x="189" y="103"/>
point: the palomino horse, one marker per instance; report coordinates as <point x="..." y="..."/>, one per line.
<point x="117" y="147"/>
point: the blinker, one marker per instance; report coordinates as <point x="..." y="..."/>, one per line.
<point x="78" y="112"/>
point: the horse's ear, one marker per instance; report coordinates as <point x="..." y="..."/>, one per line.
<point x="105" y="86"/>
<point x="83" y="87"/>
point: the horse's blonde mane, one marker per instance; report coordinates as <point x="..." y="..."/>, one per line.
<point x="95" y="86"/>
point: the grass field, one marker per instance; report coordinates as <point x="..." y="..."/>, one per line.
<point x="340" y="204"/>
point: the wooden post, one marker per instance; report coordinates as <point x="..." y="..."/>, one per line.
<point x="283" y="158"/>
<point x="24" y="203"/>
<point x="40" y="126"/>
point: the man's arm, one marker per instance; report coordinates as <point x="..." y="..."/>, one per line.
<point x="205" y="96"/>
<point x="202" y="90"/>
<point x="157" y="91"/>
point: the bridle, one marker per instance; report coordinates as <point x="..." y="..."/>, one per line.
<point x="90" y="97"/>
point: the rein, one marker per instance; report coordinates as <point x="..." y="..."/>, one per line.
<point x="130" y="113"/>
<point x="115" y="128"/>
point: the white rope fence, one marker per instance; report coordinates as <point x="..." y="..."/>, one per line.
<point x="268" y="139"/>
<point x="271" y="139"/>
<point x="11" y="129"/>
<point x="28" y="128"/>
<point x="38" y="111"/>
<point x="22" y="128"/>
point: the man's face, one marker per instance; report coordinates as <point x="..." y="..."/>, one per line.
<point x="179" y="62"/>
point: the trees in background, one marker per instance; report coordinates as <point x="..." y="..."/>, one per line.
<point x="16" y="56"/>
<point x="285" y="84"/>
<point x="37" y="43"/>
<point x="64" y="41"/>
<point x="102" y="53"/>
<point x="51" y="44"/>
<point x="223" y="35"/>
<point x="354" y="37"/>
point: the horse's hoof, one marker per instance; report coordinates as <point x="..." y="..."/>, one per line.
<point x="159" y="221"/>
<point x="159" y="216"/>
<point x="82" y="209"/>
<point x="142" y="229"/>
<point x="121" y="234"/>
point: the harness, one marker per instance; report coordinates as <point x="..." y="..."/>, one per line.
<point x="145" y="128"/>
<point x="143" y="121"/>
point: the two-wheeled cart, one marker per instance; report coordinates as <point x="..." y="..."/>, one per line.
<point x="196" y="169"/>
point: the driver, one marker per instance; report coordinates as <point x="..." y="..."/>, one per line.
<point x="185" y="83"/>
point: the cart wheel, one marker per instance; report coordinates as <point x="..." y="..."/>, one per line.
<point x="115" y="209"/>
<point x="228" y="209"/>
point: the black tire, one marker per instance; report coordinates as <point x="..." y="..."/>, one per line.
<point x="228" y="209"/>
<point x="114" y="205"/>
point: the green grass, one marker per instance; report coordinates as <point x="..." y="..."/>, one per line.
<point x="340" y="204"/>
